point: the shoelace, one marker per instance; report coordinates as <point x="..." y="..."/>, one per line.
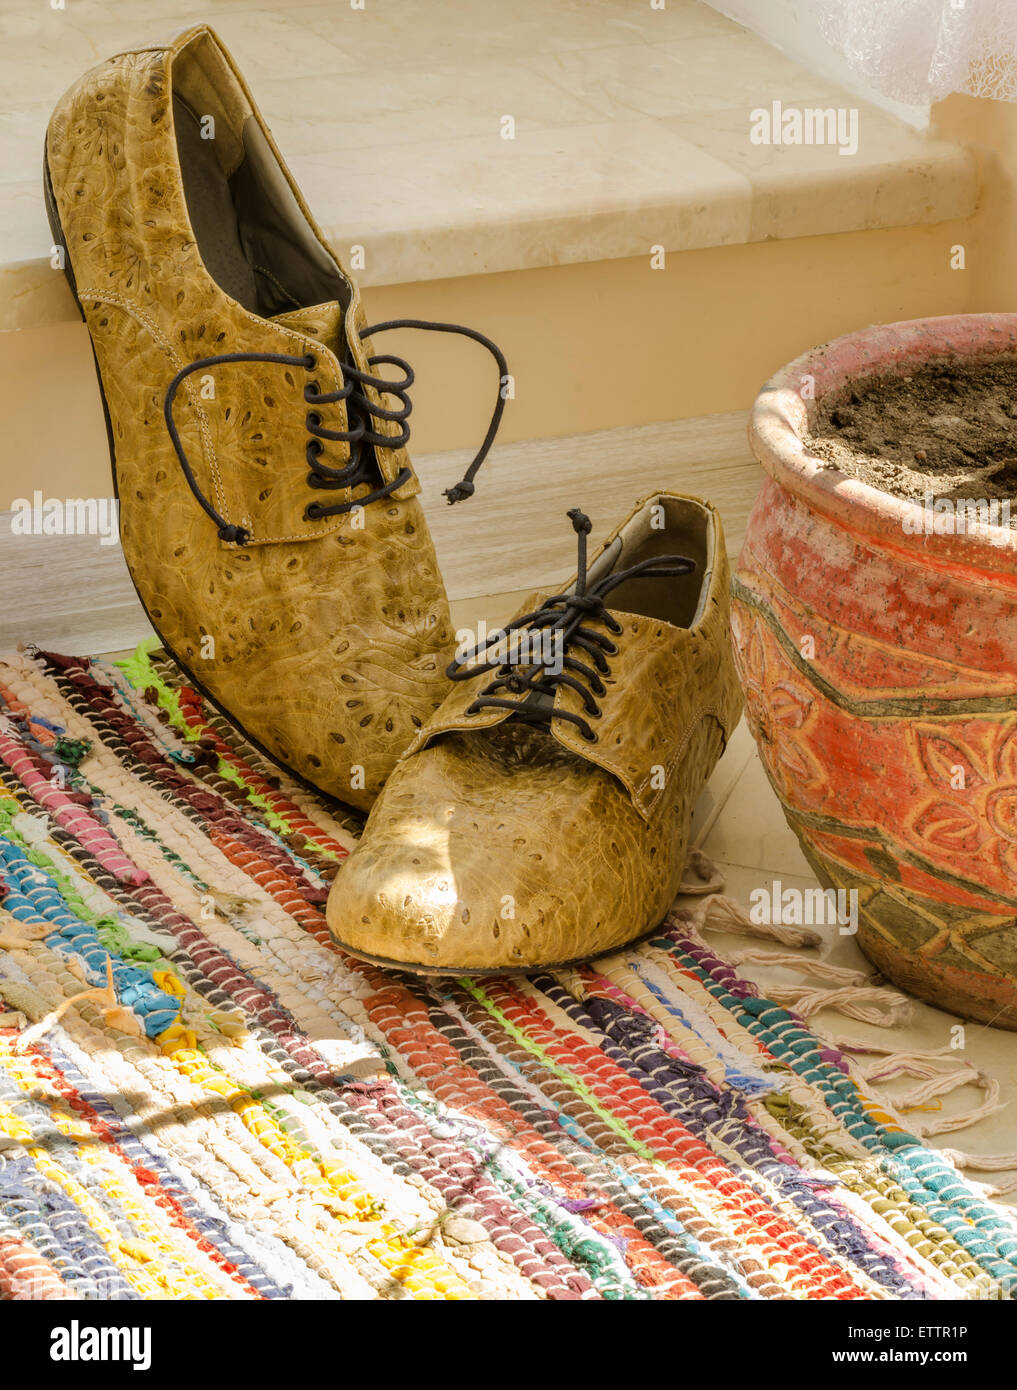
<point x="361" y="437"/>
<point x="568" y="614"/>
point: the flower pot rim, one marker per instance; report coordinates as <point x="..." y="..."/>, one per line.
<point x="780" y="416"/>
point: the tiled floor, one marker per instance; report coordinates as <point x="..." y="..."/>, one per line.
<point x="511" y="538"/>
<point x="741" y="828"/>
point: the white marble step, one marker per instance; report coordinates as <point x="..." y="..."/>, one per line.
<point x="631" y="131"/>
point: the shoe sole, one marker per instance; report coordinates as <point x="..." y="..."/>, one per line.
<point x="60" y="240"/>
<point x="460" y="972"/>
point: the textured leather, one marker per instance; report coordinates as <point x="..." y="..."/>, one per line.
<point x="496" y="845"/>
<point x="331" y="636"/>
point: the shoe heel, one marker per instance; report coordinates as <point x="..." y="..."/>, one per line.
<point x="57" y="231"/>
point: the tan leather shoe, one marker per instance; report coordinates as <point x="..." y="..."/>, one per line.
<point x="541" y="816"/>
<point x="268" y="510"/>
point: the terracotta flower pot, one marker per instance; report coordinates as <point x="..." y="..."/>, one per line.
<point x="880" y="672"/>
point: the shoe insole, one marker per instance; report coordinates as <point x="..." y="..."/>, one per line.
<point x="211" y="211"/>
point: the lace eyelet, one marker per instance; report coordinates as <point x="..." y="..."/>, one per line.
<point x="312" y="512"/>
<point x="315" y="449"/>
<point x="612" y="648"/>
<point x="312" y="420"/>
<point x="310" y="361"/>
<point x="590" y="737"/>
<point x="311" y="391"/>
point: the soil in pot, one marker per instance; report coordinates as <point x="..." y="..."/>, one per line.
<point x="948" y="428"/>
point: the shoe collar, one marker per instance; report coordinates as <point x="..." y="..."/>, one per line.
<point x="269" y="501"/>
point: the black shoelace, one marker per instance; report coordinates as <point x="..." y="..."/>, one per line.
<point x="567" y="614"/>
<point x="360" y="413"/>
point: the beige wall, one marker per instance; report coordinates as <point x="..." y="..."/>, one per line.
<point x="990" y="129"/>
<point x="592" y="346"/>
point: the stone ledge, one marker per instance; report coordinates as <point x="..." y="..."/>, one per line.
<point x="631" y="131"/>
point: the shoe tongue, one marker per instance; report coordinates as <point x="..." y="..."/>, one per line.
<point x="321" y="321"/>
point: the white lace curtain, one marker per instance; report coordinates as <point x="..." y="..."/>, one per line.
<point x="922" y="50"/>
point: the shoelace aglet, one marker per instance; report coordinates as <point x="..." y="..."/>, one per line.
<point x="323" y="476"/>
<point x="460" y="492"/>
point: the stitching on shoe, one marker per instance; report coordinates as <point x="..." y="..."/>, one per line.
<point x="704" y="712"/>
<point x="128" y="306"/>
<point x="264" y="270"/>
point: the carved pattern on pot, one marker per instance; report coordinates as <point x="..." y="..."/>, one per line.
<point x="779" y="707"/>
<point x="968" y="831"/>
<point x="974" y="810"/>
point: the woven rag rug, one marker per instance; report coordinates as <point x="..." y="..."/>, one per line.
<point x="201" y="1097"/>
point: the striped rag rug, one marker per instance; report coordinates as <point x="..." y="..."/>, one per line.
<point x="201" y="1097"/>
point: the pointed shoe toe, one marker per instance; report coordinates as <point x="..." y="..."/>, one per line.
<point x="453" y="873"/>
